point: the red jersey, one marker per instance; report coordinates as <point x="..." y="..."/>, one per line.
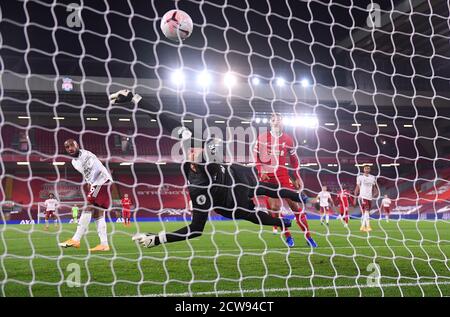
<point x="126" y="203"/>
<point x="344" y="197"/>
<point x="271" y="154"/>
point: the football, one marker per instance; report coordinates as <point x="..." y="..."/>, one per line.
<point x="176" y="25"/>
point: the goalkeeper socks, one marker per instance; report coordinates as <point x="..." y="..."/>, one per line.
<point x="83" y="225"/>
<point x="101" y="230"/>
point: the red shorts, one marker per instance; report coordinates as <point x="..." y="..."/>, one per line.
<point x="283" y="181"/>
<point x="366" y="204"/>
<point x="126" y="213"/>
<point x="49" y="213"/>
<point x="387" y="210"/>
<point x="98" y="195"/>
<point x="324" y="210"/>
<point x="343" y="210"/>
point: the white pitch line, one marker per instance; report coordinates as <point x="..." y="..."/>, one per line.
<point x="293" y="289"/>
<point x="222" y="251"/>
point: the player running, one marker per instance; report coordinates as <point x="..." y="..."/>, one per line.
<point x="126" y="213"/>
<point x="98" y="199"/>
<point x="344" y="199"/>
<point x="386" y="205"/>
<point x="50" y="210"/>
<point x="324" y="198"/>
<point x="366" y="188"/>
<point x="75" y="213"/>
<point x="271" y="152"/>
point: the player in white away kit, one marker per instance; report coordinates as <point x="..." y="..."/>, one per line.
<point x="386" y="206"/>
<point x="324" y="198"/>
<point x="50" y="209"/>
<point x="98" y="179"/>
<point x="366" y="188"/>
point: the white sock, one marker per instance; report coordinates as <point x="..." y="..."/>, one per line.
<point x="321" y="217"/>
<point x="83" y="225"/>
<point x="327" y="218"/>
<point x="101" y="230"/>
<point x="367" y="219"/>
<point x="363" y="219"/>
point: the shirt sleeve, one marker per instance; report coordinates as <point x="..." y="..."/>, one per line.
<point x="293" y="155"/>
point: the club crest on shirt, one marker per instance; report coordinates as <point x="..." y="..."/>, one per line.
<point x="201" y="200"/>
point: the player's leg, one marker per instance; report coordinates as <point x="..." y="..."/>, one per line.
<point x="124" y="217"/>
<point x="47" y="215"/>
<point x="55" y="220"/>
<point x="193" y="230"/>
<point x="100" y="221"/>
<point x="302" y="221"/>
<point x="101" y="203"/>
<point x="82" y="227"/>
<point x="322" y="215"/>
<point x="272" y="205"/>
<point x="367" y="209"/>
<point x="327" y="215"/>
<point x="75" y="216"/>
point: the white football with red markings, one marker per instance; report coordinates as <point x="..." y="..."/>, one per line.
<point x="176" y="25"/>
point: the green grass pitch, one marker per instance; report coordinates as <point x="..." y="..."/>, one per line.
<point x="239" y="259"/>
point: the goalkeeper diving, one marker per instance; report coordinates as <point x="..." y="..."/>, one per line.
<point x="228" y="189"/>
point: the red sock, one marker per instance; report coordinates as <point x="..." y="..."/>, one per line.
<point x="300" y="217"/>
<point x="346" y="219"/>
<point x="287" y="233"/>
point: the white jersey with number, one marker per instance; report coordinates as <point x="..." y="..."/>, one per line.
<point x="91" y="168"/>
<point x="50" y="204"/>
<point x="366" y="184"/>
<point x="323" y="198"/>
<point x="386" y="202"/>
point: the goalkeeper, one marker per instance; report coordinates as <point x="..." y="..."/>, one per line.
<point x="226" y="189"/>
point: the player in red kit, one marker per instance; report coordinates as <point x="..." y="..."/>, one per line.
<point x="344" y="203"/>
<point x="126" y="206"/>
<point x="271" y="154"/>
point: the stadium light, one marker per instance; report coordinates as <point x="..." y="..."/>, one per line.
<point x="160" y="163"/>
<point x="245" y="122"/>
<point x="59" y="163"/>
<point x="255" y="81"/>
<point x="306" y="121"/>
<point x="329" y="124"/>
<point x="280" y="82"/>
<point x="382" y="125"/>
<point x="229" y="80"/>
<point x="126" y="163"/>
<point x="92" y="119"/>
<point x="23" y="163"/>
<point x="178" y="77"/>
<point x="258" y="120"/>
<point x="265" y="120"/>
<point x="124" y="119"/>
<point x="23" y="117"/>
<point x="186" y="120"/>
<point x="356" y="124"/>
<point x="153" y="120"/>
<point x="219" y="121"/>
<point x="58" y="118"/>
<point x="304" y="82"/>
<point x="407" y="125"/>
<point x="204" y="79"/>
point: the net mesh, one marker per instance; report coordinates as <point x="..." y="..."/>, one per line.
<point x="356" y="83"/>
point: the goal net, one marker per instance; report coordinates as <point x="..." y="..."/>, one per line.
<point x="356" y="83"/>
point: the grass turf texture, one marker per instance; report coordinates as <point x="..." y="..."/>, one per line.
<point x="237" y="260"/>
